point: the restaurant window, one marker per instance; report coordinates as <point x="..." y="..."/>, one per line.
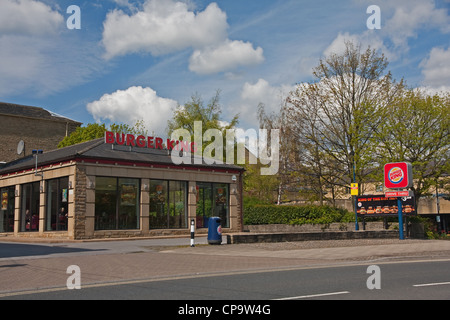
<point x="168" y="204"/>
<point x="57" y="204"/>
<point x="7" y="209"/>
<point x="116" y="203"/>
<point x="30" y="202"/>
<point x="212" y="201"/>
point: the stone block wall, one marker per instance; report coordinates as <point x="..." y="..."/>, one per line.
<point x="36" y="133"/>
<point x="310" y="236"/>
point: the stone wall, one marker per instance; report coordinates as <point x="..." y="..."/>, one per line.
<point x="79" y="216"/>
<point x="286" y="228"/>
<point x="36" y="133"/>
<point x="310" y="236"/>
<point x="333" y="231"/>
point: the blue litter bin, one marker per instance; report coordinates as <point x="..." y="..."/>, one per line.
<point x="214" y="230"/>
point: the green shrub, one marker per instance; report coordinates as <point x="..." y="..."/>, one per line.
<point x="295" y="215"/>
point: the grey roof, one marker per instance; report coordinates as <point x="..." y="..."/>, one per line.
<point x="99" y="150"/>
<point x="32" y="112"/>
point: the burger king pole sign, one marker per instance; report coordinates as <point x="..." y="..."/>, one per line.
<point x="398" y="176"/>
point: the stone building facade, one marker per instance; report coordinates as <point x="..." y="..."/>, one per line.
<point x="99" y="190"/>
<point x="36" y="127"/>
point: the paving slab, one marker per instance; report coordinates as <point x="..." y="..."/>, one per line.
<point x="108" y="262"/>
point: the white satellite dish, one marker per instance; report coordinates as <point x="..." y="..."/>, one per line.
<point x="20" y="147"/>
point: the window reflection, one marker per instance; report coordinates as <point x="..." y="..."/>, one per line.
<point x="30" y="202"/>
<point x="7" y="206"/>
<point x="167" y="204"/>
<point x="116" y="203"/>
<point x="212" y="201"/>
<point x="57" y="204"/>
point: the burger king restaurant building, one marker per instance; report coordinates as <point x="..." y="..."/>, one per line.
<point x="106" y="188"/>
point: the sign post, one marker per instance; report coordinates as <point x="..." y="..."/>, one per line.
<point x="398" y="176"/>
<point x="355" y="192"/>
<point x="400" y="218"/>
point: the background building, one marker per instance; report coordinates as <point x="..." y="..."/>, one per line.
<point x="36" y="127"/>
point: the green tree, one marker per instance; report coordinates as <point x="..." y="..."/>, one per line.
<point x="95" y="131"/>
<point x="257" y="186"/>
<point x="287" y="153"/>
<point x="209" y="115"/>
<point x="196" y="110"/>
<point x="334" y="117"/>
<point x="416" y="129"/>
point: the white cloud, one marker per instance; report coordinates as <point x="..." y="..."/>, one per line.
<point x="436" y="69"/>
<point x="226" y="56"/>
<point x="19" y="63"/>
<point x="411" y="16"/>
<point x="135" y="103"/>
<point x="123" y="3"/>
<point x="38" y="54"/>
<point x="163" y="26"/>
<point x="365" y="39"/>
<point x="28" y="17"/>
<point x="166" y="26"/>
<point x="254" y="94"/>
<point x="45" y="65"/>
<point x="262" y="92"/>
<point x="400" y="21"/>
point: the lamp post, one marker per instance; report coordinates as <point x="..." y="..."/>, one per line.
<point x="352" y="154"/>
<point x="35" y="154"/>
<point x="438" y="217"/>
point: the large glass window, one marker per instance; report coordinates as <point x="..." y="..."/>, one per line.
<point x="168" y="204"/>
<point x="212" y="201"/>
<point x="177" y="205"/>
<point x="128" y="203"/>
<point x="29" y="212"/>
<point x="116" y="203"/>
<point x="7" y="206"/>
<point x="57" y="204"/>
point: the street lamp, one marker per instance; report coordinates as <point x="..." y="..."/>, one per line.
<point x="438" y="217"/>
<point x="352" y="154"/>
<point x="35" y="154"/>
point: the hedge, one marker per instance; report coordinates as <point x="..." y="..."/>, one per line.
<point x="295" y="215"/>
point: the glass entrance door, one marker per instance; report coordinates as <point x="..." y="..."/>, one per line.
<point x="30" y="203"/>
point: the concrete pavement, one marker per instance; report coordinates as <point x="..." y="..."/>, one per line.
<point x="43" y="266"/>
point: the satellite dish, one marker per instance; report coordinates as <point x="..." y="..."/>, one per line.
<point x="20" y="147"/>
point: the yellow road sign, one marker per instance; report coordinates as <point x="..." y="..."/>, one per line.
<point x="354" y="189"/>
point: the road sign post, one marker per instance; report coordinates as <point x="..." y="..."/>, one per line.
<point x="400" y="218"/>
<point x="354" y="193"/>
<point x="398" y="176"/>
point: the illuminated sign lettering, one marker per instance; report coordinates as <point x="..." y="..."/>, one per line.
<point x="141" y="141"/>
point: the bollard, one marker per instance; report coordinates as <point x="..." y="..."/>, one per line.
<point x="193" y="233"/>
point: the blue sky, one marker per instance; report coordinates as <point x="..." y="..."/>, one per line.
<point x="141" y="59"/>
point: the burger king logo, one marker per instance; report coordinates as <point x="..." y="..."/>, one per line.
<point x="396" y="175"/>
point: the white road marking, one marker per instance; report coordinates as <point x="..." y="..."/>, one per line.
<point x="432" y="284"/>
<point x="315" y="295"/>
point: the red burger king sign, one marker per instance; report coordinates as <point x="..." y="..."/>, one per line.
<point x="398" y="175"/>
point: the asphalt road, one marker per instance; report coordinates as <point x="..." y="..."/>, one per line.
<point x="424" y="280"/>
